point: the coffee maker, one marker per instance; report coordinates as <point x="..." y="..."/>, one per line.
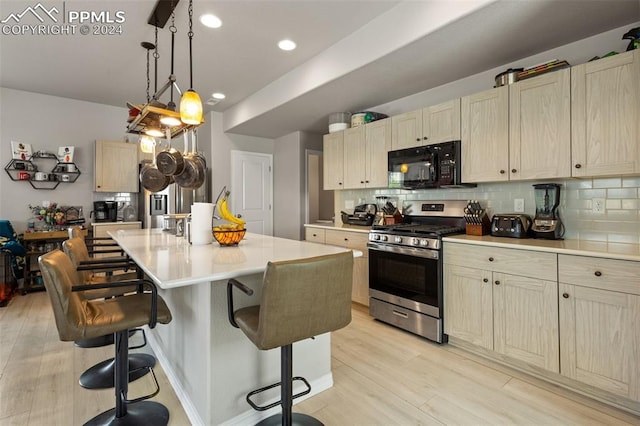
<point x="547" y="223"/>
<point x="105" y="211"/>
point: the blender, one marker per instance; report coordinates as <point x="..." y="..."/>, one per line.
<point x="547" y="223"/>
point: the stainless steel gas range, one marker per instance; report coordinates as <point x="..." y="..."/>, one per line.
<point x="405" y="266"/>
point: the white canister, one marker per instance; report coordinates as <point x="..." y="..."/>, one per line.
<point x="201" y="223"/>
<point x="41" y="176"/>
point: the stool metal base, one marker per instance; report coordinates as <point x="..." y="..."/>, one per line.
<point x="139" y="414"/>
<point x="297" y="419"/>
<point x="101" y="375"/>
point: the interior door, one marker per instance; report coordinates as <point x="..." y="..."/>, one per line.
<point x="252" y="189"/>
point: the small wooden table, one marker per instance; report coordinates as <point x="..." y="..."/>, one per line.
<point x="38" y="243"/>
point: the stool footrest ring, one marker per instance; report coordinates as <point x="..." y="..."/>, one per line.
<point x="275" y="404"/>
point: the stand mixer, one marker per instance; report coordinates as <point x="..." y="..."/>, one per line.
<point x="547" y="223"/>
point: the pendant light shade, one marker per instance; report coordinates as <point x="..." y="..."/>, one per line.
<point x="147" y="143"/>
<point x="170" y="121"/>
<point x="191" y="107"/>
<point x="154" y="131"/>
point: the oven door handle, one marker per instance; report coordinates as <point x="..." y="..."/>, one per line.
<point x="410" y="251"/>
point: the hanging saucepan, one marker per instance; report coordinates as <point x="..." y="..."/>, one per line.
<point x="170" y="162"/>
<point x="192" y="177"/>
<point x="151" y="178"/>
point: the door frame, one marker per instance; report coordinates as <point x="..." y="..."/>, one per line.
<point x="235" y="153"/>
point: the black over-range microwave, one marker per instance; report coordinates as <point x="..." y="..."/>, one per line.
<point x="429" y="166"/>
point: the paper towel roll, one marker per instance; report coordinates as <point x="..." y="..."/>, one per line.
<point x="201" y="218"/>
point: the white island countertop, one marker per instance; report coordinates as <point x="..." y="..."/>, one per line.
<point x="171" y="261"/>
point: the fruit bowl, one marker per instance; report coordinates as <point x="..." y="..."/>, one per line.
<point x="228" y="237"/>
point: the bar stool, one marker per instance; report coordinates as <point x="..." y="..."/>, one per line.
<point x="101" y="375"/>
<point x="78" y="317"/>
<point x="300" y="299"/>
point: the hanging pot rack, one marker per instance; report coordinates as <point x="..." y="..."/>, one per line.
<point x="149" y="114"/>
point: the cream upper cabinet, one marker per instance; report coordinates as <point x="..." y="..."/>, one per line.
<point x="365" y="155"/>
<point x="378" y="137"/>
<point x="116" y="167"/>
<point x="333" y="160"/>
<point x="354" y="158"/>
<point x="489" y="303"/>
<point x="600" y="323"/>
<point x="406" y="130"/>
<point x="605" y="106"/>
<point x="485" y="136"/>
<point x="540" y="127"/>
<point x="441" y="123"/>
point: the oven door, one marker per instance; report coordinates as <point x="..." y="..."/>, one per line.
<point x="406" y="276"/>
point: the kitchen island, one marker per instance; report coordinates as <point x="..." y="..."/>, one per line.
<point x="211" y="365"/>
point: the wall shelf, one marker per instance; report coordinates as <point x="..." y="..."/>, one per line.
<point x="26" y="170"/>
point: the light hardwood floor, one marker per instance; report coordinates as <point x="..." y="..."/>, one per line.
<point x="382" y="376"/>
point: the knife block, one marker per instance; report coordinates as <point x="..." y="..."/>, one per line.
<point x="479" y="229"/>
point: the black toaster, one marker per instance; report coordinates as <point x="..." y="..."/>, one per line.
<point x="515" y="225"/>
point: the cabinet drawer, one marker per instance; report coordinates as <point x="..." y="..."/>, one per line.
<point x="605" y="274"/>
<point x="352" y="240"/>
<point x="526" y="263"/>
<point x="314" y="235"/>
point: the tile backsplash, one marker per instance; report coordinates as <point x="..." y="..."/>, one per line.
<point x="618" y="222"/>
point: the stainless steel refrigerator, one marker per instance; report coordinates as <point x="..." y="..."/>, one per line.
<point x="153" y="206"/>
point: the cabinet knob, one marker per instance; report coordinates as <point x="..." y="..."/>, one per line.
<point x="502" y="172"/>
<point x="497" y="282"/>
<point x="366" y="181"/>
<point x="514" y="170"/>
<point x="339" y="183"/>
<point x="598" y="274"/>
<point x="417" y="139"/>
<point x="315" y="235"/>
<point x="346" y="239"/>
<point x="425" y="138"/>
<point x="485" y="280"/>
<point x="565" y="295"/>
<point x="578" y="165"/>
<point x="491" y="259"/>
<point x="361" y="181"/>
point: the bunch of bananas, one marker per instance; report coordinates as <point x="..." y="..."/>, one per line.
<point x="223" y="209"/>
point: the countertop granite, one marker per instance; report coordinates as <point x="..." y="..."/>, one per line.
<point x="619" y="251"/>
<point x="171" y="261"/>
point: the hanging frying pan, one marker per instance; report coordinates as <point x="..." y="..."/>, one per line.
<point x="170" y="162"/>
<point x="193" y="175"/>
<point x="151" y="178"/>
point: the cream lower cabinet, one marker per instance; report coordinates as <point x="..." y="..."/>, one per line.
<point x="116" y="167"/>
<point x="350" y="240"/>
<point x="600" y="323"/>
<point x="503" y="300"/>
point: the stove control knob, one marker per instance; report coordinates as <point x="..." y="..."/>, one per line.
<point x="415" y="241"/>
<point x="424" y="243"/>
<point x="375" y="237"/>
<point x="384" y="238"/>
<point x="397" y="240"/>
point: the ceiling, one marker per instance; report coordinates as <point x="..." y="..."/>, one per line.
<point x="351" y="55"/>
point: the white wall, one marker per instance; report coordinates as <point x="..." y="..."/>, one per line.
<point x="221" y="146"/>
<point x="47" y="122"/>
<point x="289" y="174"/>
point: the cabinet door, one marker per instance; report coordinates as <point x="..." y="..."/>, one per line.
<point x="333" y="160"/>
<point x="468" y="305"/>
<point x="599" y="339"/>
<point x="441" y="123"/>
<point x="116" y="167"/>
<point x="485" y="136"/>
<point x="355" y="241"/>
<point x="406" y="130"/>
<point x="525" y="320"/>
<point x="540" y="127"/>
<point x="354" y="158"/>
<point x="378" y="137"/>
<point x="605" y="106"/>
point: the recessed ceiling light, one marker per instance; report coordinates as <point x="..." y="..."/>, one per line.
<point x="286" y="45"/>
<point x="211" y="21"/>
<point x="219" y="95"/>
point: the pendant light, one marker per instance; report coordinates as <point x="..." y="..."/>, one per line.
<point x="190" y="104"/>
